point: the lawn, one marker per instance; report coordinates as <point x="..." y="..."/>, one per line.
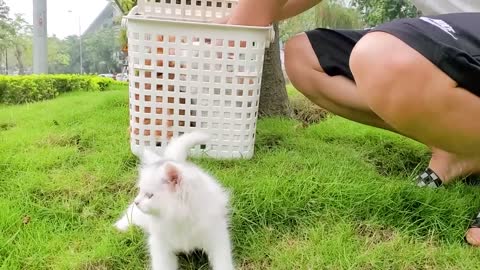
<point x="334" y="195"/>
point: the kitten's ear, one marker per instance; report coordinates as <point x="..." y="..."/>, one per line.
<point x="173" y="174"/>
<point x="149" y="157"/>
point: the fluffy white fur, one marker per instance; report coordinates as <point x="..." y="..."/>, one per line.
<point x="180" y="207"/>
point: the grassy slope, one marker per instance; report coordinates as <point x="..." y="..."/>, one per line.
<point x="332" y="196"/>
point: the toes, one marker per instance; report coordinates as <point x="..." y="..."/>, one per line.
<point x="473" y="236"/>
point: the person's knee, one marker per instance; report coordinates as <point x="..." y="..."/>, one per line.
<point x="293" y="58"/>
<point x="380" y="72"/>
<point x="300" y="62"/>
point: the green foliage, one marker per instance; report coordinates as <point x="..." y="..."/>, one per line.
<point x="125" y="6"/>
<point x="15" y="34"/>
<point x="101" y="47"/>
<point x="375" y="12"/>
<point x="357" y="14"/>
<point x="6" y="29"/>
<point x="4" y="10"/>
<point x="58" y="56"/>
<point x="71" y="46"/>
<point x="330" y="14"/>
<point x="21" y="32"/>
<point x="25" y="89"/>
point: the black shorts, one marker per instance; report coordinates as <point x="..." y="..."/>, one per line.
<point x="450" y="41"/>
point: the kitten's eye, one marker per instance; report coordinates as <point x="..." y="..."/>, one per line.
<point x="149" y="195"/>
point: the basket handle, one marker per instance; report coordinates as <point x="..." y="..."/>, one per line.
<point x="133" y="11"/>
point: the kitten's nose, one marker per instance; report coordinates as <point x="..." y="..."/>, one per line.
<point x="137" y="203"/>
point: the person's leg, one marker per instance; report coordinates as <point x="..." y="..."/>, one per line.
<point x="415" y="97"/>
<point x="418" y="99"/>
<point x="339" y="95"/>
<point x="336" y="94"/>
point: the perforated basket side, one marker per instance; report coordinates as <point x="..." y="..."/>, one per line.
<point x="189" y="10"/>
<point x="188" y="76"/>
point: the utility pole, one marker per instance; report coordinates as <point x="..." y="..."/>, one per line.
<point x="40" y="45"/>
<point x="80" y="40"/>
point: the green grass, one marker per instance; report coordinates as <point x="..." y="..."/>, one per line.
<point x="335" y="195"/>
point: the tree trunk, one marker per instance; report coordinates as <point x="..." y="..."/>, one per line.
<point x="273" y="95"/>
<point x="19" y="56"/>
<point x="6" y="61"/>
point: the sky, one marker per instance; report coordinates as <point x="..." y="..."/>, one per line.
<point x="60" y="22"/>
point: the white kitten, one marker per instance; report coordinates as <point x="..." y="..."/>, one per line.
<point x="180" y="207"/>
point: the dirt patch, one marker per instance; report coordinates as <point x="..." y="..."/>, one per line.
<point x="390" y="158"/>
<point x="249" y="265"/>
<point x="306" y="111"/>
<point x="67" y="140"/>
<point x="130" y="162"/>
<point x="375" y="234"/>
<point x="41" y="195"/>
<point x="6" y="126"/>
<point x="269" y="141"/>
<point x="126" y="187"/>
<point x="97" y="265"/>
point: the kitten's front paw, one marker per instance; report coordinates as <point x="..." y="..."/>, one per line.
<point x="122" y="225"/>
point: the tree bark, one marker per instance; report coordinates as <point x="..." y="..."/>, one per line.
<point x="19" y="56"/>
<point x="273" y="94"/>
<point x="6" y="61"/>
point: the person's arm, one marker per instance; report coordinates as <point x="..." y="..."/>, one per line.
<point x="265" y="12"/>
<point x="295" y="7"/>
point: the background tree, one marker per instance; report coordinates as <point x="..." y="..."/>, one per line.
<point x="58" y="57"/>
<point x="71" y="45"/>
<point x="329" y="14"/>
<point x="6" y="32"/>
<point x="15" y="37"/>
<point x="4" y="10"/>
<point x="273" y="94"/>
<point x="375" y="12"/>
<point x="102" y="47"/>
<point x="125" y="5"/>
<point x="21" y="38"/>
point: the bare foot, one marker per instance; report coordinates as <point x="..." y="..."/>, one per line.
<point x="449" y="166"/>
<point x="473" y="237"/>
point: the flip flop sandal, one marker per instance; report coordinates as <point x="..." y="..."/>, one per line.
<point x="428" y="179"/>
<point x="475" y="222"/>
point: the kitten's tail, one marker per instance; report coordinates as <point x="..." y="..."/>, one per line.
<point x="178" y="148"/>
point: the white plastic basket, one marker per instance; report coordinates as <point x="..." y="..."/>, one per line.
<point x="189" y="10"/>
<point x="187" y="76"/>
